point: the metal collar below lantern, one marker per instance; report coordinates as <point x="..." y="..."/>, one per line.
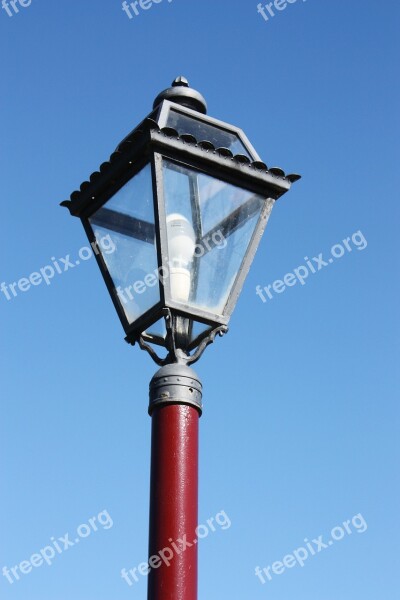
<point x="182" y="203"/>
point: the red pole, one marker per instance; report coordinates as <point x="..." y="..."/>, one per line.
<point x="175" y="406"/>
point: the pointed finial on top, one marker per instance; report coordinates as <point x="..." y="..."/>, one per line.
<point x="180" y="81"/>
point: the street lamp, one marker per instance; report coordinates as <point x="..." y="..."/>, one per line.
<point x="184" y="199"/>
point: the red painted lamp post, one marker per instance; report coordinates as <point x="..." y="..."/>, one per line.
<point x="175" y="217"/>
<point x="174" y="482"/>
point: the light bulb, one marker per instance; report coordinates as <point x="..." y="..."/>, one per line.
<point x="181" y="246"/>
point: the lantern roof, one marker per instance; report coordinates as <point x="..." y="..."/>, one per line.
<point x="149" y="132"/>
<point x="185" y="108"/>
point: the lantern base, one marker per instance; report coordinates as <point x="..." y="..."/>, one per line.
<point x="175" y="331"/>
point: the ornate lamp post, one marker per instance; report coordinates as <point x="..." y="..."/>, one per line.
<point x="185" y="199"/>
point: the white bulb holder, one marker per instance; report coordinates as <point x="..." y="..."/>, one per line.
<point x="181" y="246"/>
<point x="180" y="281"/>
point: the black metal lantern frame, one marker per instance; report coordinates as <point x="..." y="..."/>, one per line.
<point x="190" y="140"/>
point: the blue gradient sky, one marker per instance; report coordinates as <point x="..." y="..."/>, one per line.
<point x="300" y="427"/>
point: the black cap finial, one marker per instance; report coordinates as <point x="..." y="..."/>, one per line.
<point x="180" y="81"/>
<point x="182" y="93"/>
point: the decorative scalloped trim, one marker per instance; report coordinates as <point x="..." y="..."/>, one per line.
<point x="185" y="138"/>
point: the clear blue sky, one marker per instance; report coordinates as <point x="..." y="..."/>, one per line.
<point x="300" y="427"/>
